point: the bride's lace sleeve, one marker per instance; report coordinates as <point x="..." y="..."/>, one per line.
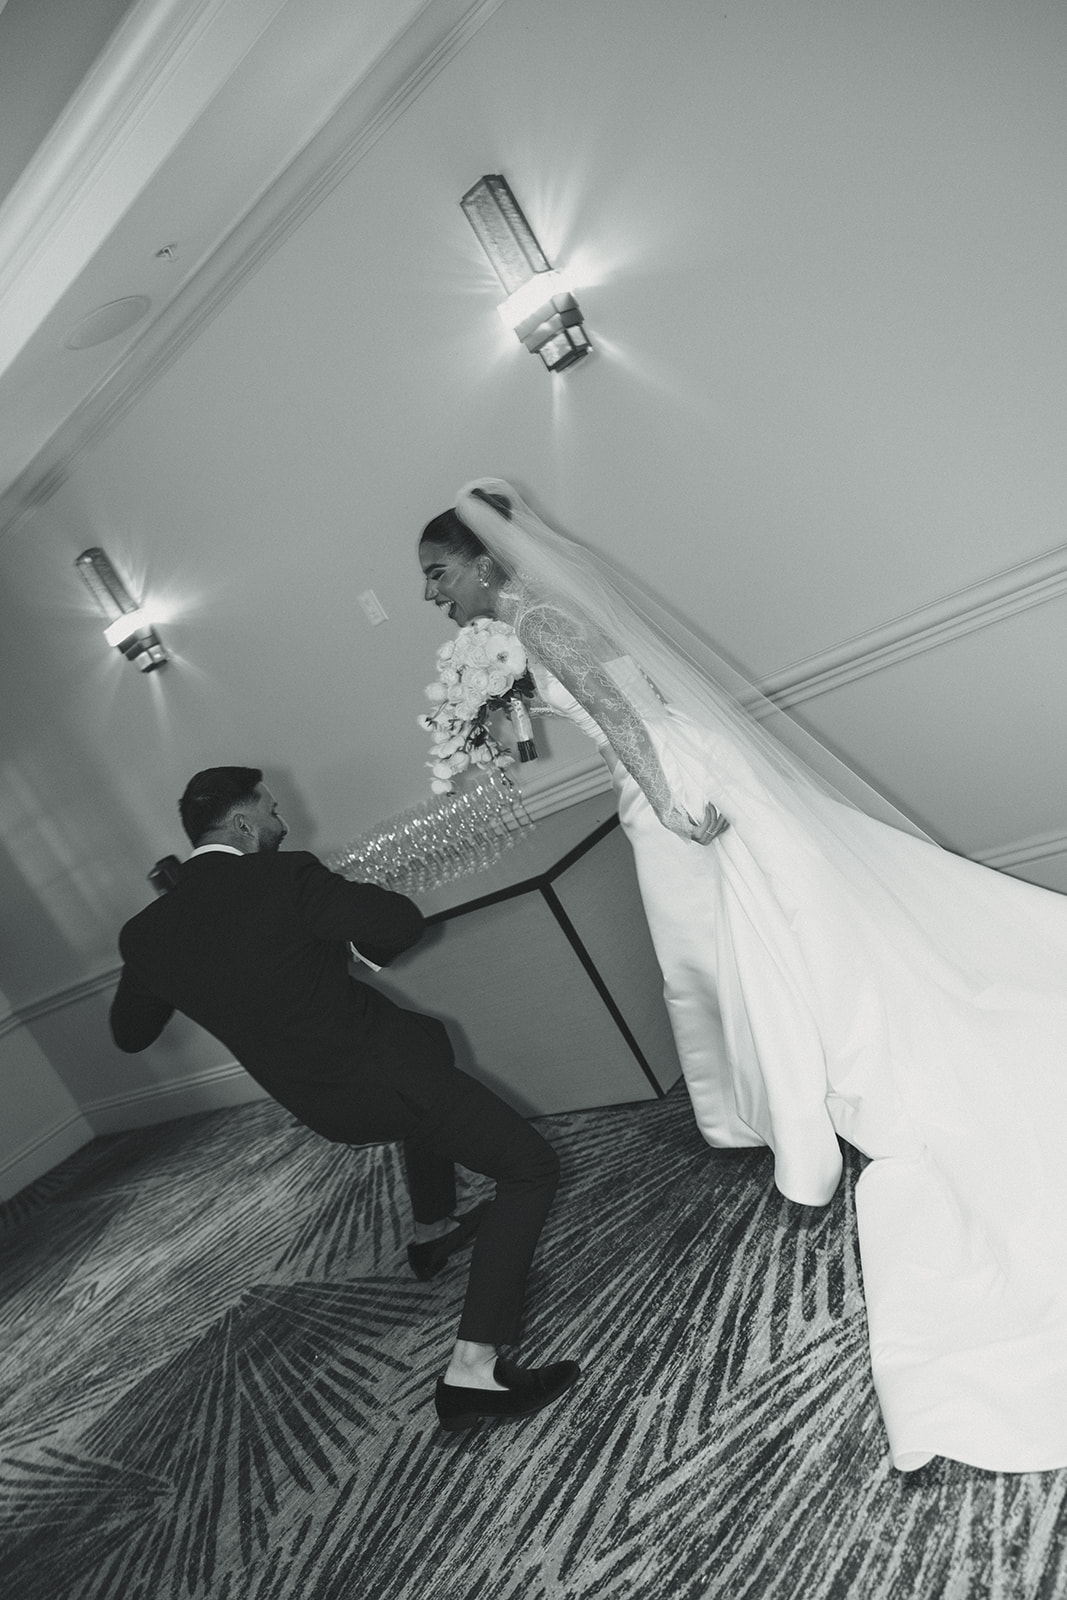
<point x="565" y="648"/>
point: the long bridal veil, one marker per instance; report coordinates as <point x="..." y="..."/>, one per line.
<point x="687" y="671"/>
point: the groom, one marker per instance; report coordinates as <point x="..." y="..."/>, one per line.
<point x="252" y="943"/>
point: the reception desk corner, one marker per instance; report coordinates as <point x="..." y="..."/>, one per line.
<point x="542" y="968"/>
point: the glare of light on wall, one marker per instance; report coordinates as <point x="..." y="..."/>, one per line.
<point x="130" y="628"/>
<point x="540" y="307"/>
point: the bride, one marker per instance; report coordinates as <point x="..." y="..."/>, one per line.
<point x="827" y="971"/>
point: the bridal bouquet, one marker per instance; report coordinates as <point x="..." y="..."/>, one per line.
<point x="483" y="669"/>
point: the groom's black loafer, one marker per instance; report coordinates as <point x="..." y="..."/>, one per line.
<point x="429" y="1258"/>
<point x="528" y="1390"/>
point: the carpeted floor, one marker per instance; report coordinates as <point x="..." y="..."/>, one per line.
<point x="217" y="1377"/>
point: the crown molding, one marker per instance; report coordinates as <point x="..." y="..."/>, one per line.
<point x="160" y="69"/>
<point x="440" y="30"/>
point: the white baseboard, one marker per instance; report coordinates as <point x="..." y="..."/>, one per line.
<point x="214" y="1089"/>
<point x="40" y="1154"/>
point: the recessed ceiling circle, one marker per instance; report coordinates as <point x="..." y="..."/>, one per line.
<point x="107" y="321"/>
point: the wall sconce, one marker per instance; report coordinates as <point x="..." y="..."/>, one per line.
<point x="130" y="630"/>
<point x="541" y="309"/>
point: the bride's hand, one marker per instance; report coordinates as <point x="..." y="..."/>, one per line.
<point x="709" y="827"/>
<point x="677" y="820"/>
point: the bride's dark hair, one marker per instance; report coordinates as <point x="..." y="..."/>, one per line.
<point x="452" y="534"/>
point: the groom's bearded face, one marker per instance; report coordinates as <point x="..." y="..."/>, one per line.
<point x="272" y="829"/>
<point x="271" y="841"/>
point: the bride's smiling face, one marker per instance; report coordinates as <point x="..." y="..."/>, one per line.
<point x="455" y="583"/>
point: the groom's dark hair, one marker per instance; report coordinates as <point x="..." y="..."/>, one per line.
<point x="451" y="532"/>
<point x="212" y="794"/>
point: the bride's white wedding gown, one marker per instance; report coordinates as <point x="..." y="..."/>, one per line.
<point x="856" y="980"/>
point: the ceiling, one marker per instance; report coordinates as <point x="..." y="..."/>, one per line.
<point x="152" y="152"/>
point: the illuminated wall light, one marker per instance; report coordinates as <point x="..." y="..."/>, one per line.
<point x="540" y="307"/>
<point x="130" y="628"/>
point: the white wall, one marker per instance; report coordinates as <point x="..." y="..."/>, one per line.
<point x="42" y="1122"/>
<point x="819" y="247"/>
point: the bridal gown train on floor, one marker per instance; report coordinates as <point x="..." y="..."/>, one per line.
<point x="839" y="976"/>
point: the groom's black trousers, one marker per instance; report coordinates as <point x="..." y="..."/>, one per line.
<point x="477" y="1129"/>
<point x="413" y="1092"/>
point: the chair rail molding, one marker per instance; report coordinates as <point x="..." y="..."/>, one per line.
<point x="978" y="606"/>
<point x="1009" y="857"/>
<point x="58" y="999"/>
<point x="1030" y="583"/>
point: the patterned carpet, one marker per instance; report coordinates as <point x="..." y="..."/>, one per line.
<point x="217" y="1381"/>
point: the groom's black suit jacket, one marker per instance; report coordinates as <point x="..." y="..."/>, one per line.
<point x="254" y="949"/>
